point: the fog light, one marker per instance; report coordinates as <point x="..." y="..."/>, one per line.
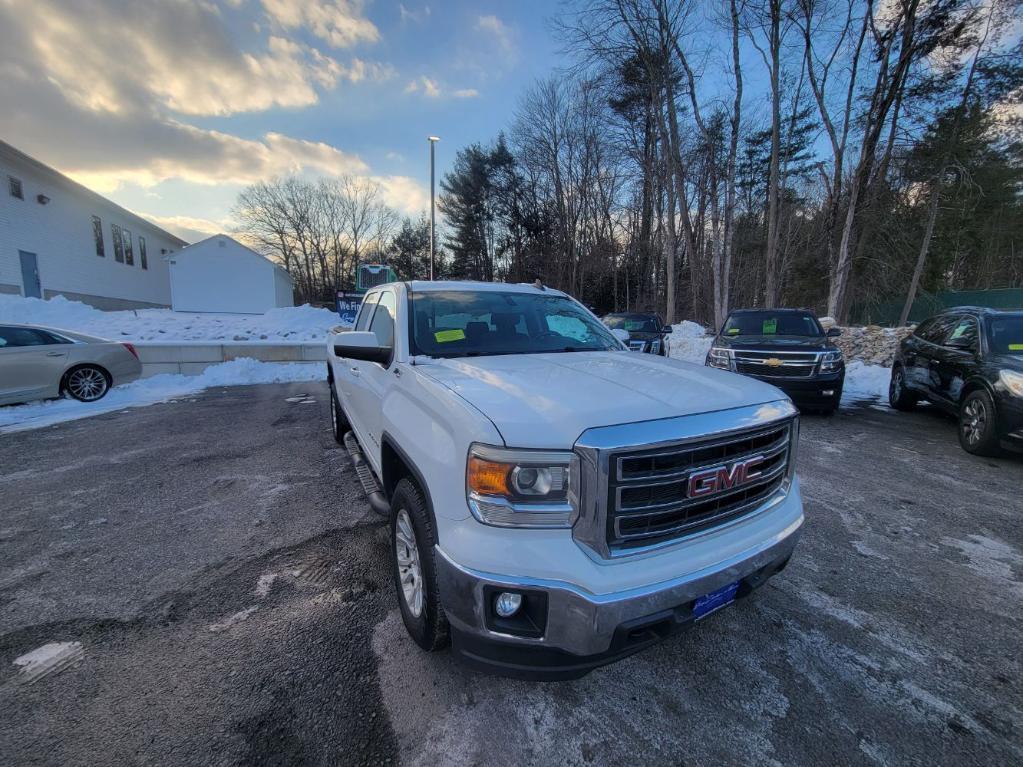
<point x="507" y="604"/>
<point x="828" y="392"/>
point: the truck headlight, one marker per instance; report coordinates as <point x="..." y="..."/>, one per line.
<point x="831" y="361"/>
<point x="1013" y="381"/>
<point x="521" y="488"/>
<point x="720" y="357"/>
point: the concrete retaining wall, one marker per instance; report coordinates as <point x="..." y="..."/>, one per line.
<point x="192" y="359"/>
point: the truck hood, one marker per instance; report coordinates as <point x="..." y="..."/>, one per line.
<point x="548" y="400"/>
<point x="775" y="343"/>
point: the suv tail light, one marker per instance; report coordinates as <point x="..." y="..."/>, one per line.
<point x="131" y="348"/>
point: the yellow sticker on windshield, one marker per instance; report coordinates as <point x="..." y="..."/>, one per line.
<point x="446" y="336"/>
<point x="733" y="331"/>
<point x="770" y="327"/>
<point x="1016" y="347"/>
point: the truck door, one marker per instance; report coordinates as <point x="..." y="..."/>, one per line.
<point x="373" y="378"/>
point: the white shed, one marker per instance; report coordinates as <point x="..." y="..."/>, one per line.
<point x="220" y="274"/>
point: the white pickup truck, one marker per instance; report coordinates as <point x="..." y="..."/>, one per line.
<point x="556" y="502"/>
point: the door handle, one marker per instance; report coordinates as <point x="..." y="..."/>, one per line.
<point x="54" y="354"/>
<point x="355" y="371"/>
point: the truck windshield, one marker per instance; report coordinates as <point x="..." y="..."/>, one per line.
<point x="480" y="323"/>
<point x="772" y="324"/>
<point x="1005" y="334"/>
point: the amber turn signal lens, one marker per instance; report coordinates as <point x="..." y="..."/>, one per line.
<point x="488" y="477"/>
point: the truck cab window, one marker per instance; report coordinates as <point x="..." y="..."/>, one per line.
<point x="366" y="311"/>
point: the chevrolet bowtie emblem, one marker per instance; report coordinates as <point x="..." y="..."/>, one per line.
<point x="773" y="362"/>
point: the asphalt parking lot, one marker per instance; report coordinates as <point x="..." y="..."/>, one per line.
<point x="229" y="591"/>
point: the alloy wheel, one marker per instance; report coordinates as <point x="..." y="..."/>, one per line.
<point x="974" y="421"/>
<point x="87" y="384"/>
<point x="409" y="568"/>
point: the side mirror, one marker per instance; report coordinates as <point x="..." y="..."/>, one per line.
<point x="621" y="335"/>
<point x="666" y="330"/>
<point x="362" y="345"/>
<point x="834" y="332"/>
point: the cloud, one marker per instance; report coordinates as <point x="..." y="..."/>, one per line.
<point x="119" y="55"/>
<point x="103" y="91"/>
<point x="428" y="87"/>
<point x="340" y="22"/>
<point x="502" y="33"/>
<point x="415" y="17"/>
<point x="188" y="228"/>
<point x="434" y="90"/>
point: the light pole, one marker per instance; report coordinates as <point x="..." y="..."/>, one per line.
<point x="433" y="211"/>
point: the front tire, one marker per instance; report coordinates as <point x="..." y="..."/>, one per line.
<point x="414" y="568"/>
<point x="87" y="383"/>
<point x="978" y="428"/>
<point x="899" y="397"/>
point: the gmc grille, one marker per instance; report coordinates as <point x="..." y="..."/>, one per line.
<point x="648" y="491"/>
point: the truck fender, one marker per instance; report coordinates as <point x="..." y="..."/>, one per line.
<point x="390" y="477"/>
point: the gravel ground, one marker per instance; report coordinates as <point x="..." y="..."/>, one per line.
<point x="228" y="590"/>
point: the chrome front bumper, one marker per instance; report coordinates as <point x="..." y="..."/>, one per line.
<point x="585" y="624"/>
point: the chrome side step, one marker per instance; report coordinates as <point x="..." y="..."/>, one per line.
<point x="367" y="479"/>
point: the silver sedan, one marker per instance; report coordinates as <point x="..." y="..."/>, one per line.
<point x="39" y="363"/>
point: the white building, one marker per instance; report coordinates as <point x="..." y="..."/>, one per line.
<point x="59" y="238"/>
<point x="220" y="274"/>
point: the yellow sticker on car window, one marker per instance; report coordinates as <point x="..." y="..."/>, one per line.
<point x="733" y="331"/>
<point x="1016" y="347"/>
<point x="446" y="336"/>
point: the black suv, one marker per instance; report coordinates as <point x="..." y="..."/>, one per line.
<point x="784" y="347"/>
<point x="646" y="331"/>
<point x="968" y="361"/>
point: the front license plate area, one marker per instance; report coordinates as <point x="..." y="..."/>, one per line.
<point x="715" y="600"/>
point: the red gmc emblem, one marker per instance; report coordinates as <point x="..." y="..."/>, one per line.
<point x="720" y="478"/>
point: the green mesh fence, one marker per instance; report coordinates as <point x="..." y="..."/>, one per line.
<point x="887" y="312"/>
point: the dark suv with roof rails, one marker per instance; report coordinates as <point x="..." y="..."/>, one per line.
<point x="784" y="347"/>
<point x="968" y="361"/>
<point x="646" y="331"/>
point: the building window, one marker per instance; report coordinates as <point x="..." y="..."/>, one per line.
<point x="142" y="252"/>
<point x="115" y="232"/>
<point x="97" y="236"/>
<point x="14" y="185"/>
<point x="129" y="257"/>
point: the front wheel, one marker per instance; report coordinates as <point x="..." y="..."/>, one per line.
<point x="978" y="433"/>
<point x="414" y="568"/>
<point x="87" y="383"/>
<point x="899" y="397"/>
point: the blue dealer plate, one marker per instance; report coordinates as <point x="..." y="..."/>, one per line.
<point x="715" y="600"/>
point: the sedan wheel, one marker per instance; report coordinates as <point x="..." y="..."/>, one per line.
<point x="87" y="384"/>
<point x="410" y="571"/>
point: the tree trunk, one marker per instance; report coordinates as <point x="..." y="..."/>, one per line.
<point x="771" y="281"/>
<point x="921" y="259"/>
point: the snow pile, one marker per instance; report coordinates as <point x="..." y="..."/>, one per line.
<point x="159" y="388"/>
<point x="865" y="382"/>
<point x="689" y="342"/>
<point x="295" y="324"/>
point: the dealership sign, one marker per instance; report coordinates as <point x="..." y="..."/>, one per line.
<point x="348" y="306"/>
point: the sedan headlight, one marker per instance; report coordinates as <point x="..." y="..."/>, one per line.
<point x="831" y="361"/>
<point x="521" y="488"/>
<point x="1013" y="381"/>
<point x="720" y="357"/>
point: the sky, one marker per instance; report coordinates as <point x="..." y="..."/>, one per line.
<point x="171" y="107"/>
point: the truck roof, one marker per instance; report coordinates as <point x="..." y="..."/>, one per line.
<point x="422" y="286"/>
